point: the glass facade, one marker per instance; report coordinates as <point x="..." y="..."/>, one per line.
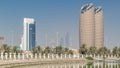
<point x="31" y="36"/>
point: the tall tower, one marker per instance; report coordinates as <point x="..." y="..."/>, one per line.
<point x="91" y="26"/>
<point x="29" y="34"/>
<point x="99" y="27"/>
<point x="87" y="29"/>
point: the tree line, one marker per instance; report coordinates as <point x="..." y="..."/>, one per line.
<point x="62" y="50"/>
<point x="101" y="51"/>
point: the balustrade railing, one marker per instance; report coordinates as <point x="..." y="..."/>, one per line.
<point x="18" y="56"/>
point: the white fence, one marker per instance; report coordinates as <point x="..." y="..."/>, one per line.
<point x="14" y="56"/>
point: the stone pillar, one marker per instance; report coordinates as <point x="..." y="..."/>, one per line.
<point x="23" y="56"/>
<point x="82" y="66"/>
<point x="74" y="56"/>
<point x="82" y="56"/>
<point x="61" y="56"/>
<point x="6" y="56"/>
<point x="31" y="55"/>
<point x="91" y="55"/>
<point x="115" y="56"/>
<point x="108" y="65"/>
<point x="2" y="56"/>
<point x="105" y="56"/>
<point x="43" y="56"/>
<point x="27" y="55"/>
<point x="39" y="55"/>
<point x="65" y="56"/>
<point x="57" y="56"/>
<point x="69" y="56"/>
<point x="98" y="65"/>
<point x="101" y="56"/>
<point x="35" y="55"/>
<point x="48" y="56"/>
<point x="78" y="66"/>
<point x="86" y="55"/>
<point x="10" y="56"/>
<point x="86" y="66"/>
<point x="19" y="56"/>
<point x="90" y="66"/>
<point x="111" y="64"/>
<point x="52" y="56"/>
<point x="14" y="56"/>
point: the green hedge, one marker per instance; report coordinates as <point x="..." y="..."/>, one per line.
<point x="89" y="58"/>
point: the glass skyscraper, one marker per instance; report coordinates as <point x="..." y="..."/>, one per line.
<point x="29" y="34"/>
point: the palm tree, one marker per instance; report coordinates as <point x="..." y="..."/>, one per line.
<point x="115" y="51"/>
<point x="5" y="49"/>
<point x="15" y="49"/>
<point x="103" y="51"/>
<point x="20" y="51"/>
<point x="70" y="52"/>
<point x="58" y="50"/>
<point x="34" y="50"/>
<point x="66" y="50"/>
<point x="83" y="49"/>
<point x="47" y="50"/>
<point x="39" y="49"/>
<point x="9" y="49"/>
<point x="92" y="50"/>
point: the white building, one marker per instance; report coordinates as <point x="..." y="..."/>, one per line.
<point x="29" y="34"/>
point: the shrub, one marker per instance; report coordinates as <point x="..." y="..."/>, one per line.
<point x="89" y="58"/>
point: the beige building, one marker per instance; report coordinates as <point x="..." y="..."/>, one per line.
<point x="99" y="27"/>
<point x="87" y="25"/>
<point x="91" y="26"/>
<point x="1" y="41"/>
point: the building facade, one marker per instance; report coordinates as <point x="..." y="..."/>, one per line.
<point x="29" y="34"/>
<point x="99" y="27"/>
<point x="91" y="26"/>
<point x="87" y="28"/>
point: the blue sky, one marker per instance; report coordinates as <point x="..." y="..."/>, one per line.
<point x="54" y="16"/>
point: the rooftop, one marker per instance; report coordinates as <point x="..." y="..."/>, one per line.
<point x="86" y="7"/>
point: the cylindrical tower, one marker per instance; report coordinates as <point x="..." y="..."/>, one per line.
<point x="86" y="27"/>
<point x="99" y="28"/>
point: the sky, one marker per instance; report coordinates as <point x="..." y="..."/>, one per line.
<point x="54" y="18"/>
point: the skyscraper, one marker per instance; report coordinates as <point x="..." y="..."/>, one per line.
<point x="91" y="26"/>
<point x="99" y="34"/>
<point x="87" y="29"/>
<point x="29" y="34"/>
